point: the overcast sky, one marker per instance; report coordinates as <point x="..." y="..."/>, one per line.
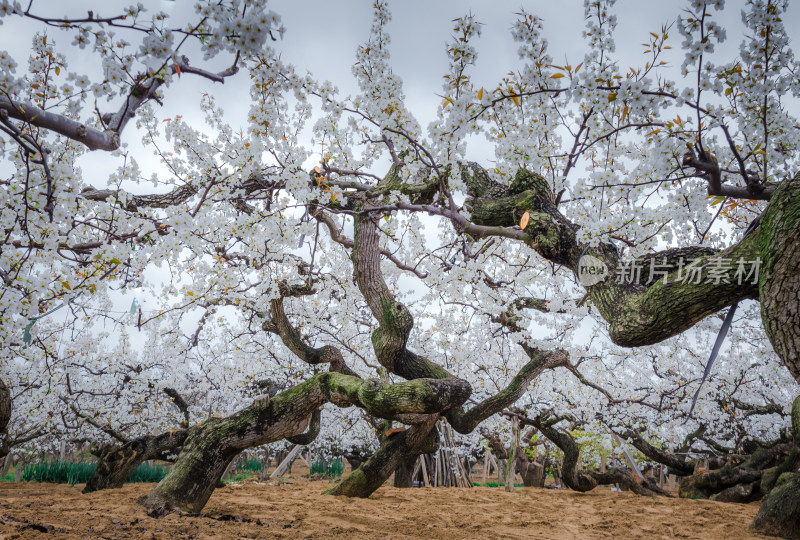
<point x="322" y="37"/>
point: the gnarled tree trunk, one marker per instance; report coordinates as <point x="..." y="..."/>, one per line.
<point x="210" y="447"/>
<point x="115" y="464"/>
<point x="779" y="279"/>
<point x="404" y="474"/>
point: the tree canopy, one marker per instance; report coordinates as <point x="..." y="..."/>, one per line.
<point x="575" y="277"/>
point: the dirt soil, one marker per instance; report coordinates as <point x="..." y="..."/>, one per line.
<point x="301" y="510"/>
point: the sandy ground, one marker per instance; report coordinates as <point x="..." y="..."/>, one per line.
<point x="301" y="510"/>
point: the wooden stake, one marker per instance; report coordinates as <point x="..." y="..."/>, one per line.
<point x="285" y="463"/>
<point x="424" y="466"/>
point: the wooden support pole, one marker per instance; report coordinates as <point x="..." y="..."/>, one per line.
<point x="424" y="465"/>
<point x="281" y="469"/>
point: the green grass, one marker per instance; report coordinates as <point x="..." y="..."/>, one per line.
<point x="148" y="473"/>
<point x="335" y="469"/>
<point x="9" y="477"/>
<point x="59" y="472"/>
<point x="494" y="484"/>
<point x="250" y="465"/>
<point x="79" y="472"/>
<point x="241" y="477"/>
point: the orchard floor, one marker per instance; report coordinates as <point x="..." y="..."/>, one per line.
<point x="300" y="510"/>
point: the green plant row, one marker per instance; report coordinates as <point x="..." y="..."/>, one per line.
<point x="494" y="484"/>
<point x="79" y="472"/>
<point x="251" y="465"/>
<point x="335" y="469"/>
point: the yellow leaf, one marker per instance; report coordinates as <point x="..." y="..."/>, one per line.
<point x="557" y="76"/>
<point x="526" y="217"/>
<point x="480" y="93"/>
<point x="66" y="285"/>
<point x="515" y="97"/>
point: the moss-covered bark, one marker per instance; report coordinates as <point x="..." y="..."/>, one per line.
<point x="640" y="313"/>
<point x="210" y="447"/>
<point x="779" y="279"/>
<point x="779" y="514"/>
<point x="395" y="325"/>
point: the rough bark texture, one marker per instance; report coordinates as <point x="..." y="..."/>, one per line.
<point x="389" y="343"/>
<point x="404" y="474"/>
<point x="5" y="417"/>
<point x="466" y="421"/>
<point x="640" y="313"/>
<point x="396" y="322"/>
<point x="779" y="279"/>
<point x="210" y="447"/>
<point x="779" y="514"/>
<point x="281" y="326"/>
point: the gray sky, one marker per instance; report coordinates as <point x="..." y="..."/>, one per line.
<point x="322" y="37"/>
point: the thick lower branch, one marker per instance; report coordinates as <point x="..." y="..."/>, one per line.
<point x="399" y="448"/>
<point x="210" y="447"/>
<point x="115" y="464"/>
